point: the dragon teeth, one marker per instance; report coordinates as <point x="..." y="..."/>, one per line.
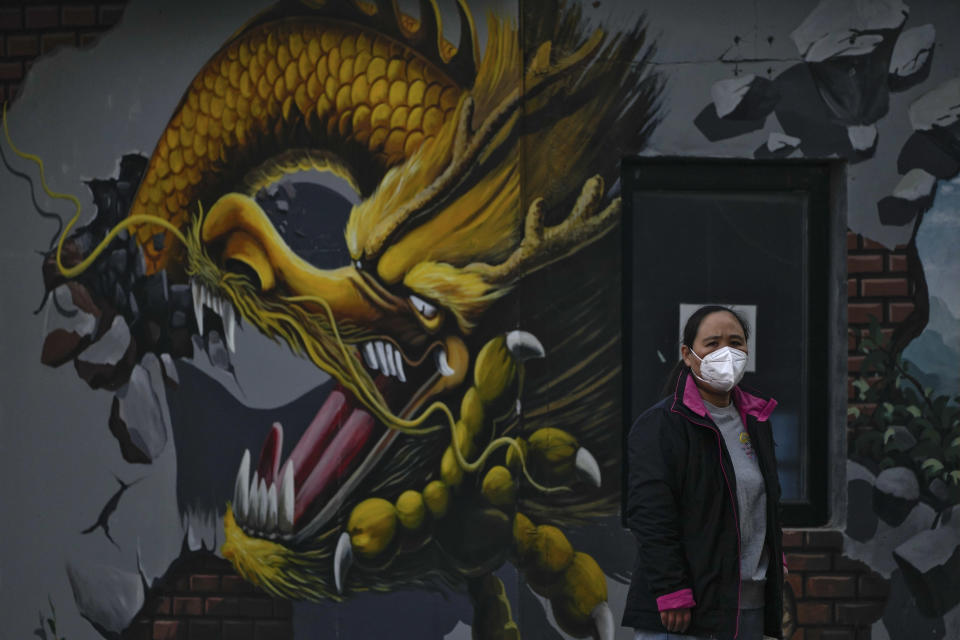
<point x="285" y="510"/>
<point x="254" y="506"/>
<point x="262" y="505"/>
<point x="398" y="364"/>
<point x="241" y="490"/>
<point x="381" y="355"/>
<point x="197" y="290"/>
<point x="203" y="297"/>
<point x="271" y="521"/>
<point x="370" y="356"/>
<point x="442" y="365"/>
<point x="229" y="327"/>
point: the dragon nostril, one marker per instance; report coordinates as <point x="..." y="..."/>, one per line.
<point x="243" y="254"/>
<point x="242" y="268"/>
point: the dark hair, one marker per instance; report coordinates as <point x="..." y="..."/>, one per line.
<point x="690" y="330"/>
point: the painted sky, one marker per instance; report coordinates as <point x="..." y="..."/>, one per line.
<point x="937" y="242"/>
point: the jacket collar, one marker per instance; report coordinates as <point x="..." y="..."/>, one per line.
<point x="749" y="404"/>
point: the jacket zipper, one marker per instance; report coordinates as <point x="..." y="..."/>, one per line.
<point x="736" y="514"/>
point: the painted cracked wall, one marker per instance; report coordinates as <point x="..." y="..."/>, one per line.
<point x="136" y="421"/>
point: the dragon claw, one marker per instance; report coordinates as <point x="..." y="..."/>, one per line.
<point x="587" y="466"/>
<point x="524" y="345"/>
<point x="342" y="559"/>
<point x="603" y="619"/>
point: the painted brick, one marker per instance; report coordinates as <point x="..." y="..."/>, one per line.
<point x="792" y="539"/>
<point x="79" y="16"/>
<point x="235" y="584"/>
<point x="11" y="19"/>
<point x="825" y="539"/>
<point x="853" y="363"/>
<point x="204" y="582"/>
<point x="809" y="613"/>
<point x="808" y="561"/>
<point x="157" y="606"/>
<point x="272" y="630"/>
<point x="796" y="583"/>
<point x="140" y="630"/>
<point x="895" y="263"/>
<point x="188" y="606"/>
<point x="899" y="311"/>
<point x="851" y="340"/>
<point x="237" y="630"/>
<point x="852" y="239"/>
<point x="865" y="264"/>
<point x="860" y="312"/>
<point x="870" y="244"/>
<point x="110" y="14"/>
<point x="871" y="585"/>
<point x="169" y="630"/>
<point x="239" y="607"/>
<point x="831" y="586"/>
<point x="51" y="41"/>
<point x="88" y="38"/>
<point x="42" y="17"/>
<point x="22" y="45"/>
<point x="852" y="288"/>
<point x="11" y="70"/>
<point x="859" y="613"/>
<point x="204" y="630"/>
<point x="884" y="287"/>
<point x="219" y="606"/>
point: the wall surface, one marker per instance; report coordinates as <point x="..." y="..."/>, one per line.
<point x="168" y="473"/>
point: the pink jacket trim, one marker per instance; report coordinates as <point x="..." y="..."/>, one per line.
<point x="692" y="398"/>
<point x="682" y="599"/>
<point x="751" y="404"/>
<point x="746" y="402"/>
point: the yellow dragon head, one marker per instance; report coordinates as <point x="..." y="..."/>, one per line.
<point x="473" y="174"/>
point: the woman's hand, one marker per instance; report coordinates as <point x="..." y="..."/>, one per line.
<point x="675" y="620"/>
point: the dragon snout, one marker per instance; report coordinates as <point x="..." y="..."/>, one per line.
<point x="244" y="231"/>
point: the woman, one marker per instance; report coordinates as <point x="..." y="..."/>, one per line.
<point x="703" y="497"/>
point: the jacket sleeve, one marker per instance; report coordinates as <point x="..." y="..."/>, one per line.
<point x="653" y="514"/>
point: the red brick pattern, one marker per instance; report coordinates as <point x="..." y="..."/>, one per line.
<point x="30" y="29"/>
<point x="837" y="598"/>
<point x="878" y="286"/>
<point x="202" y="598"/>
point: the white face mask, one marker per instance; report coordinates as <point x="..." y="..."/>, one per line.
<point x="722" y="369"/>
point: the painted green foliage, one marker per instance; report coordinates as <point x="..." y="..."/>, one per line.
<point x="911" y="425"/>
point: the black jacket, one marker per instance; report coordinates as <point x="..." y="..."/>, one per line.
<point x="682" y="508"/>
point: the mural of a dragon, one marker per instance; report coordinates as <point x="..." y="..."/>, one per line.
<point x="476" y="410"/>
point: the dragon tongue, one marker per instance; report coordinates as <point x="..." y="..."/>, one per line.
<point x="335" y="461"/>
<point x="269" y="463"/>
<point x="318" y="435"/>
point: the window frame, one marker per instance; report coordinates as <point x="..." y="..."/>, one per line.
<point x="824" y="246"/>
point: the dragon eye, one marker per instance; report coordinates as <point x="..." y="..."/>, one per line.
<point x="310" y="210"/>
<point x="426" y="309"/>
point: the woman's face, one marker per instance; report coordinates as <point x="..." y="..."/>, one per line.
<point x="718" y="329"/>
